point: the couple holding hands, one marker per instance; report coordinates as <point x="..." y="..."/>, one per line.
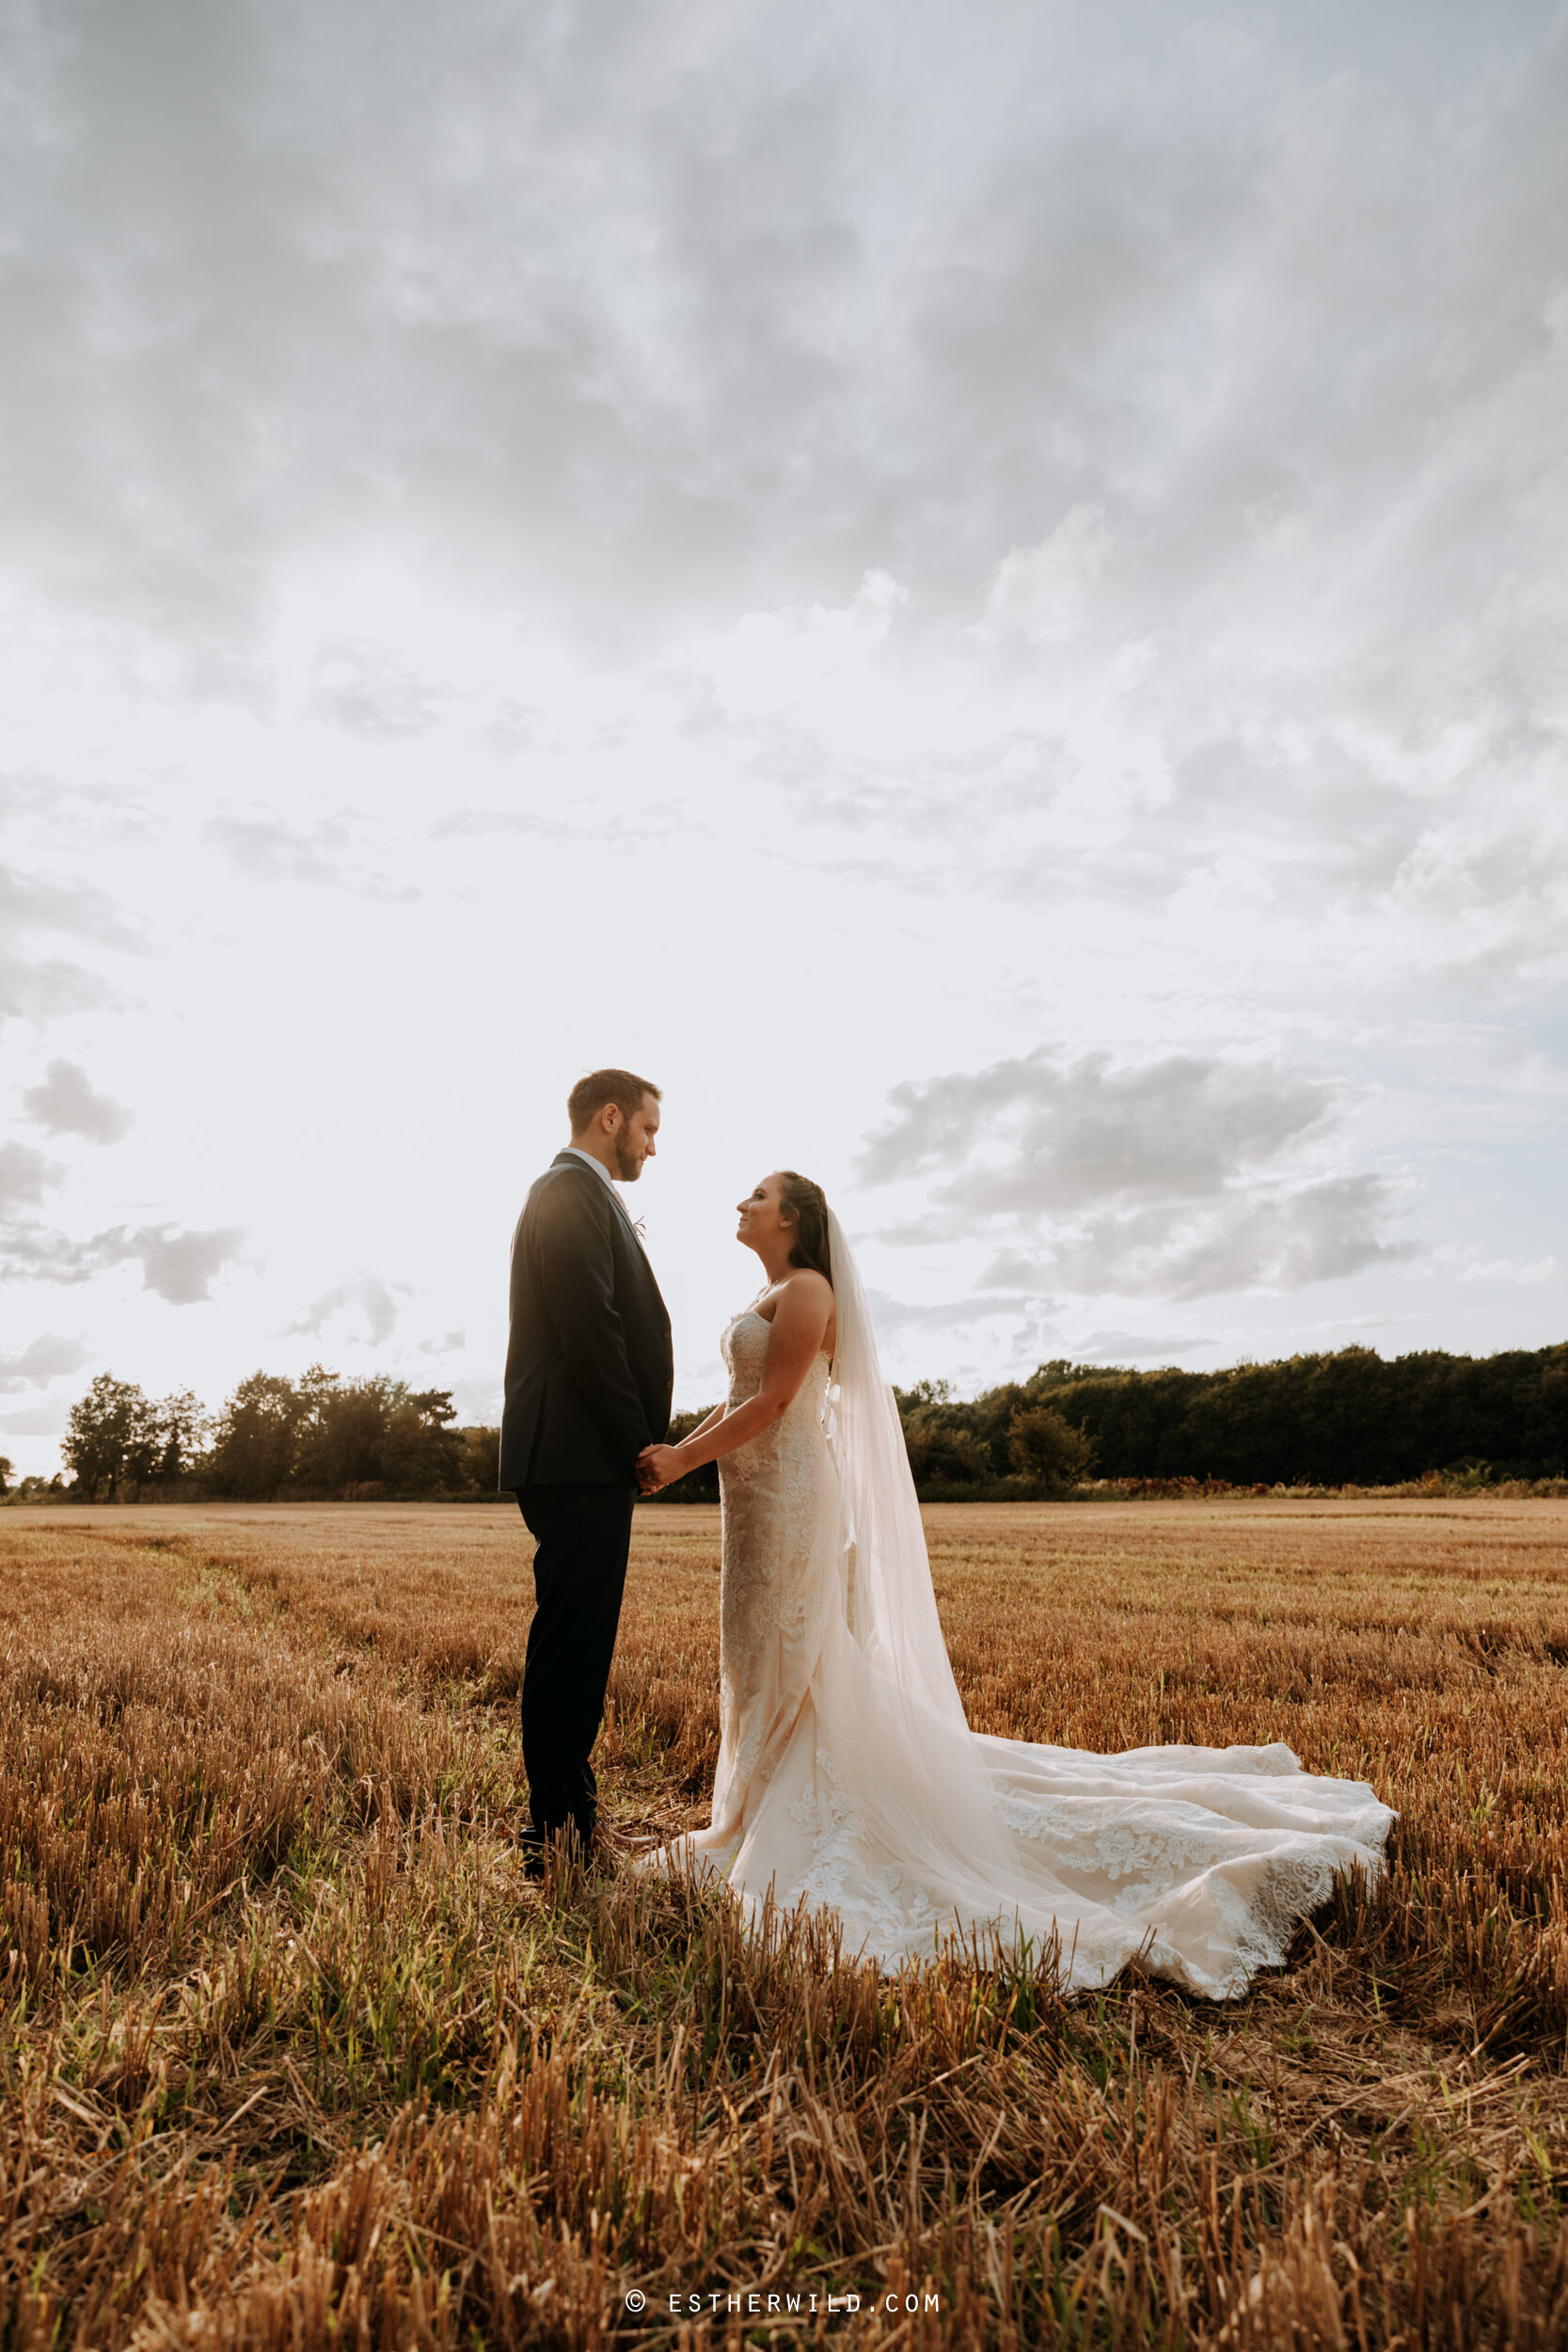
<point x="847" y="1777"/>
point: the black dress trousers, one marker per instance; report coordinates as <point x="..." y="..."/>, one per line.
<point x="582" y="1536"/>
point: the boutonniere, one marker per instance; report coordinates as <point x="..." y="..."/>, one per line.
<point x="639" y="1228"/>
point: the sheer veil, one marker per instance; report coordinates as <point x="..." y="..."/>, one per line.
<point x="892" y="1607"/>
<point x="924" y="1774"/>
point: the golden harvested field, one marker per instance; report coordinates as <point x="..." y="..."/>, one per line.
<point x="292" y="2057"/>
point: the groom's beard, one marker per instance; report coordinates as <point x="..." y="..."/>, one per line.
<point x="626" y="1167"/>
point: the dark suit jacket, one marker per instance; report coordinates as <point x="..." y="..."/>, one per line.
<point x="588" y="1365"/>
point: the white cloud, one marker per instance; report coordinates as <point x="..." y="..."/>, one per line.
<point x="448" y="1346"/>
<point x="899" y="1315"/>
<point x="1116" y="1347"/>
<point x="43" y="986"/>
<point x="365" y="688"/>
<point x="37" y="1421"/>
<point x="617" y="322"/>
<point x="791" y="547"/>
<point x="1039" y="593"/>
<point x="1050" y="1131"/>
<point x="67" y="1105"/>
<point x="1508" y="1270"/>
<point x="1251" y="1237"/>
<point x="178" y="1265"/>
<point x="478" y="1403"/>
<point x="264" y="847"/>
<point x="25" y="1175"/>
<point x="40" y="1361"/>
<point x="1158" y="1178"/>
<point x="367" y="1295"/>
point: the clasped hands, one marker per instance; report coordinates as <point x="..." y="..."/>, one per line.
<point x="656" y="1467"/>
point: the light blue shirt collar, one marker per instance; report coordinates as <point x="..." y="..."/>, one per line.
<point x="603" y="1173"/>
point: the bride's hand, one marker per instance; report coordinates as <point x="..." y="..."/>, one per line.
<point x="656" y="1467"/>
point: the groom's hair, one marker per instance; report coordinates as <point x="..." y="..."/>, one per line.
<point x="622" y="1087"/>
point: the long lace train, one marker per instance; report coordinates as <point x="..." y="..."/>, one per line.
<point x="848" y="1777"/>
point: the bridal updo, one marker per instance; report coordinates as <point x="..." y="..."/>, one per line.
<point x="808" y="1206"/>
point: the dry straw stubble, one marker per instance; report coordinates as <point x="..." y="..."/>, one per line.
<point x="293" y="2056"/>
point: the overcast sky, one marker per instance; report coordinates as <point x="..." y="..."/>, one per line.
<point x="979" y="591"/>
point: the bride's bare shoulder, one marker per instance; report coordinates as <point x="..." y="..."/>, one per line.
<point x="806" y="1290"/>
<point x="810" y="1298"/>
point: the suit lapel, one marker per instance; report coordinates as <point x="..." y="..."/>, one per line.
<point x="622" y="1216"/>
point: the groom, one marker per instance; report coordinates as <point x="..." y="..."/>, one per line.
<point x="589" y="1375"/>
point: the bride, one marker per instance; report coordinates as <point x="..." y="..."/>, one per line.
<point x="847" y="1775"/>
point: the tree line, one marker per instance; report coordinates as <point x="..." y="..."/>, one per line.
<point x="317" y="1438"/>
<point x="1344" y="1418"/>
<point x="1340" y="1419"/>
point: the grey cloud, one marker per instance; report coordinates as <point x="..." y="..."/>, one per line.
<point x="606" y="829"/>
<point x="925" y="804"/>
<point x="366" y="689"/>
<point x="294" y="276"/>
<point x="38" y="1421"/>
<point x="41" y="1362"/>
<point x="1102" y="363"/>
<point x="67" y="1105"/>
<point x="1269" y="1238"/>
<point x="367" y="1293"/>
<point x="446" y="1345"/>
<point x="478" y="1401"/>
<point x="899" y="1314"/>
<point x="1173" y="1178"/>
<point x="513" y="727"/>
<point x="43" y="986"/>
<point x="473" y="823"/>
<point x="1119" y="1347"/>
<point x="1014" y="1271"/>
<point x="25" y="1175"/>
<point x="32" y="902"/>
<point x="177" y="1263"/>
<point x="1072" y="1133"/>
<point x="264" y="847"/>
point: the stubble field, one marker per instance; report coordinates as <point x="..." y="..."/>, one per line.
<point x="293" y="2056"/>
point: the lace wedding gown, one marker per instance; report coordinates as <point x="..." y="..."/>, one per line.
<point x="849" y="1778"/>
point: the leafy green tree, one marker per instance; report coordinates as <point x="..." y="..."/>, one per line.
<point x="925" y="1394"/>
<point x="1045" y="1447"/>
<point x="112" y="1438"/>
<point x="258" y="1437"/>
<point x="1340" y="1419"/>
<point x="479" y="1459"/>
<point x="421" y="1453"/>
<point x="342" y="1431"/>
<point x="945" y="1451"/>
<point x="6" y="1467"/>
<point x="183" y="1432"/>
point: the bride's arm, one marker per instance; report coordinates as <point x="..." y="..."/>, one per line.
<point x="798" y="1328"/>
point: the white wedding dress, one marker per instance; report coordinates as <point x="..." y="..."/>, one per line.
<point x="849" y="1778"/>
